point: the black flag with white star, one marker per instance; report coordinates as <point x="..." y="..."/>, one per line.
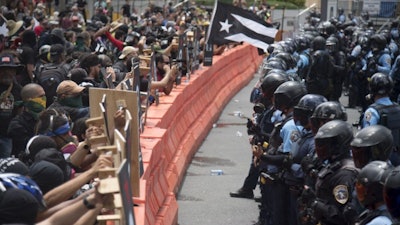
<point x="234" y="24"/>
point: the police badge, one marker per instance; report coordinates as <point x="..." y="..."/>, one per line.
<point x="341" y="194"/>
<point x="368" y="116"/>
<point x="294" y="136"/>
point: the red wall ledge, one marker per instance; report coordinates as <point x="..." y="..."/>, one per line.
<point x="177" y="126"/>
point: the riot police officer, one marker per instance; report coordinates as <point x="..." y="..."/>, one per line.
<point x="358" y="87"/>
<point x="304" y="58"/>
<point x="286" y="96"/>
<point x="319" y="79"/>
<point x="261" y="134"/>
<point x="260" y="129"/>
<point x="371" y="143"/>
<point x="335" y="183"/>
<point x="294" y="177"/>
<point x="369" y="187"/>
<point x="383" y="111"/>
<point x="378" y="59"/>
<point x="339" y="67"/>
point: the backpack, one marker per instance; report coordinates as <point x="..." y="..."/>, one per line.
<point x="390" y="118"/>
<point x="49" y="77"/>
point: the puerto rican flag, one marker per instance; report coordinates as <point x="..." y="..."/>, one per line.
<point x="234" y="24"/>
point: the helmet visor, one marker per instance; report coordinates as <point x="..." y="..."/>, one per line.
<point x="361" y="156"/>
<point x="323" y="147"/>
<point x="301" y="116"/>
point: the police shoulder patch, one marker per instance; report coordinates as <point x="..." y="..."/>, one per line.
<point x="368" y="116"/>
<point x="388" y="61"/>
<point x="341" y="194"/>
<point x="294" y="136"/>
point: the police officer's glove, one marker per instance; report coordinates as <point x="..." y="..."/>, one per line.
<point x="372" y="65"/>
<point x="350" y="213"/>
<point x="250" y="127"/>
<point x="307" y="164"/>
<point x="307" y="196"/>
<point x="306" y="217"/>
<point x="320" y="209"/>
<point x="287" y="162"/>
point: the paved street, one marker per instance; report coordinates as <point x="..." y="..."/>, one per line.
<point x="204" y="199"/>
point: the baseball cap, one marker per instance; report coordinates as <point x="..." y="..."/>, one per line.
<point x="126" y="51"/>
<point x="57" y="49"/>
<point x="18" y="206"/>
<point x="69" y="87"/>
<point x="47" y="175"/>
<point x="7" y="60"/>
<point x="13" y="165"/>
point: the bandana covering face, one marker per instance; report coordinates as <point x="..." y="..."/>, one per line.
<point x="36" y="105"/>
<point x="74" y="102"/>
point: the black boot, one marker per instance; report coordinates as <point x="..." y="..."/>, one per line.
<point x="242" y="193"/>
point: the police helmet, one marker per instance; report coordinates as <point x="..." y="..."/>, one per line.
<point x="387" y="35"/>
<point x="332" y="141"/>
<point x="318" y="43"/>
<point x="364" y="42"/>
<point x="271" y="82"/>
<point x="280" y="71"/>
<point x="274" y="63"/>
<point x="329" y="28"/>
<point x="304" y="109"/>
<point x="287" y="58"/>
<point x="370" y="181"/>
<point x="17" y="181"/>
<point x="381" y="84"/>
<point x="332" y="43"/>
<point x="302" y="43"/>
<point x="391" y="192"/>
<point x="378" y="42"/>
<point x="372" y="143"/>
<point x="288" y="94"/>
<point x="325" y="112"/>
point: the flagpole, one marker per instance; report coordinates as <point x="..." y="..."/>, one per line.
<point x="212" y="18"/>
<point x="283" y="19"/>
<point x="5" y="20"/>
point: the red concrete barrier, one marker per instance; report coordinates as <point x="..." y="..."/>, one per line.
<point x="178" y="125"/>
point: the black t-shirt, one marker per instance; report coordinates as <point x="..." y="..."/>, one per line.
<point x="26" y="56"/>
<point x="126" y="10"/>
<point x="81" y="3"/>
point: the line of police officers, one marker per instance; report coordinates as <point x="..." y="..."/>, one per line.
<point x="312" y="168"/>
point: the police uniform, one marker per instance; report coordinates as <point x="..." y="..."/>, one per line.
<point x="379" y="216"/>
<point x="383" y="64"/>
<point x="371" y="116"/>
<point x="334" y="188"/>
<point x="303" y="63"/>
<point x="280" y="195"/>
<point x="294" y="177"/>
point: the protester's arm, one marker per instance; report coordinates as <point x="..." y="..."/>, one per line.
<point x="80" y="210"/>
<point x="68" y="189"/>
<point x="167" y="82"/>
<point x="30" y="68"/>
<point x="50" y="211"/>
<point x="105" y="30"/>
